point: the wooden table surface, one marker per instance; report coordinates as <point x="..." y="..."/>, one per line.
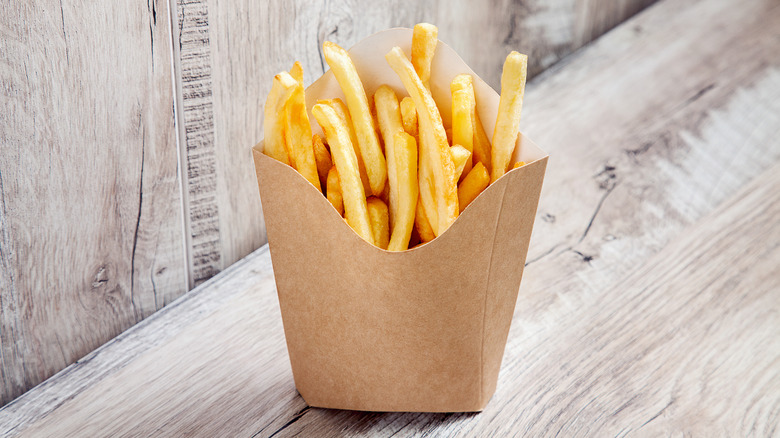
<point x="650" y="302"/>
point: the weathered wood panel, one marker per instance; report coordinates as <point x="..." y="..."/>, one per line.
<point x="90" y="219"/>
<point x="650" y="303"/>
<point x="252" y="41"/>
<point x="91" y="237"/>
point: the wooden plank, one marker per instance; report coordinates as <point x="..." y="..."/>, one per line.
<point x="252" y="41"/>
<point x="90" y="236"/>
<point x="193" y="76"/>
<point x="603" y="292"/>
<point x="658" y="347"/>
<point x="152" y="332"/>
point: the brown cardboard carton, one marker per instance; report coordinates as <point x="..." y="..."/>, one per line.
<point x="421" y="330"/>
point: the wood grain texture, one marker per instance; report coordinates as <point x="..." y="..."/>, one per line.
<point x="154" y="331"/>
<point x="650" y="306"/>
<point x="193" y="76"/>
<point x="252" y="41"/>
<point x="88" y="134"/>
<point x="680" y="345"/>
<point x="90" y="235"/>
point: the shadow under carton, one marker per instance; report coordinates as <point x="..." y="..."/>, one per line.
<point x="422" y="330"/>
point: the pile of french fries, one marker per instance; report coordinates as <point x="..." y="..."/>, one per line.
<point x="390" y="167"/>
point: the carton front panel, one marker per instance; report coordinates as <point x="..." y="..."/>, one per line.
<point x="369" y="329"/>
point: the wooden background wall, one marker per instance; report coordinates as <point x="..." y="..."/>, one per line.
<point x="125" y="128"/>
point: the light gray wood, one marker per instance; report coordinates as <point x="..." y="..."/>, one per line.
<point x="90" y="218"/>
<point x="252" y="41"/>
<point x="195" y="117"/>
<point x="92" y="235"/>
<point x="649" y="303"/>
<point x="654" y="353"/>
<point x="154" y="331"/>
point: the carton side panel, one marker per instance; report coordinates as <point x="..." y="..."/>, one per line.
<point x="513" y="231"/>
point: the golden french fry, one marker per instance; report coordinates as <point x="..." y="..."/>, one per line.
<point x="297" y="72"/>
<point x="378" y="215"/>
<point x="463" y="105"/>
<point x="518" y="164"/>
<point x="481" y="143"/>
<point x="427" y="193"/>
<point x="405" y="156"/>
<point x="341" y="64"/>
<point x="355" y="209"/>
<point x="374" y="120"/>
<point x="509" y="107"/>
<point x="297" y="132"/>
<point x="409" y="116"/>
<point x="342" y="111"/>
<point x="422" y="225"/>
<point x="433" y="139"/>
<point x="474" y="183"/>
<point x="460" y="156"/>
<point x="388" y="115"/>
<point x="333" y="190"/>
<point x="322" y="157"/>
<point x="424" y="40"/>
<point x="273" y="122"/>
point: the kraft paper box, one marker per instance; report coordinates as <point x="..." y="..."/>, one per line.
<point x="422" y="330"/>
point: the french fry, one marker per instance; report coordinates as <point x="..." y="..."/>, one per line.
<point x="378" y="215"/>
<point x="427" y="194"/>
<point x="297" y="72"/>
<point x="422" y="225"/>
<point x="463" y="105"/>
<point x="297" y="132"/>
<point x="424" y="40"/>
<point x="333" y="190"/>
<point x="460" y="156"/>
<point x="340" y="63"/>
<point x="474" y="183"/>
<point x="409" y="116"/>
<point x="375" y="122"/>
<point x="355" y="209"/>
<point x="323" y="159"/>
<point x="273" y="122"/>
<point x="433" y="139"/>
<point x="389" y="117"/>
<point x="518" y="164"/>
<point x="405" y="156"/>
<point x="481" y="143"/>
<point x="342" y="111"/>
<point x="509" y="107"/>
